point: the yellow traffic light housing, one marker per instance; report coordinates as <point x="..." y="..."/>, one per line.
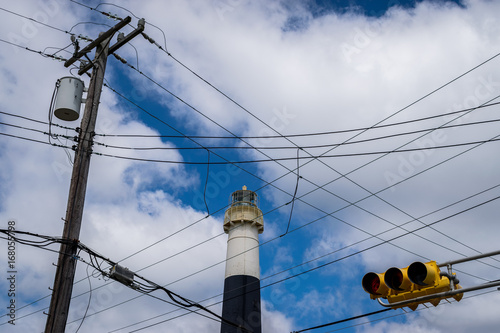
<point x="415" y="282"/>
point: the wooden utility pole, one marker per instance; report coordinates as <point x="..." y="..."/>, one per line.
<point x="66" y="265"/>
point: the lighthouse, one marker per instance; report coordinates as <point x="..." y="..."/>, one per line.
<point x="243" y="223"/>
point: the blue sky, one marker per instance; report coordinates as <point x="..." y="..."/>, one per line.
<point x="300" y="75"/>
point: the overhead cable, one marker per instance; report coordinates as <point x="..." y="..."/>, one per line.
<point x="381" y="152"/>
<point x="35" y="120"/>
<point x="305" y="134"/>
<point x="295" y="148"/>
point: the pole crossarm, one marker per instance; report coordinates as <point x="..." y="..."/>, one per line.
<point x="129" y="37"/>
<point x="97" y="41"/>
<point x="116" y="46"/>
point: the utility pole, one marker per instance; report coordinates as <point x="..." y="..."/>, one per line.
<point x="66" y="264"/>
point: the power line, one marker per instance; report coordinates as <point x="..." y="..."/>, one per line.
<point x="36" y="141"/>
<point x="302" y="146"/>
<point x="90" y="298"/>
<point x="35" y="120"/>
<point x="109" y="15"/>
<point x="59" y="29"/>
<point x="46" y="55"/>
<point x="304" y="134"/>
<point x="343" y="320"/>
<point x="36" y="131"/>
<point x="36" y="21"/>
<point x="407" y="232"/>
<point x="314" y="157"/>
<point x="371" y="236"/>
<point x="374" y="313"/>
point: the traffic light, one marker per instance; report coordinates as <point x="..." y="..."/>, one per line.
<point x="410" y="283"/>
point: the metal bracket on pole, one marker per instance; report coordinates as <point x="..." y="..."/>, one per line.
<point x="453" y="278"/>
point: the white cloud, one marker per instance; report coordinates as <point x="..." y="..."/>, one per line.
<point x="274" y="320"/>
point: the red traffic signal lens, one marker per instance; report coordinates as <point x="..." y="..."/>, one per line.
<point x="371" y="283"/>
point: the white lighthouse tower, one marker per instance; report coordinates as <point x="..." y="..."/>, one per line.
<point x="243" y="223"/>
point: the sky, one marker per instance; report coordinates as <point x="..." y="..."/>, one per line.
<point x="367" y="129"/>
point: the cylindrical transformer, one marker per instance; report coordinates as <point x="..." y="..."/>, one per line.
<point x="69" y="98"/>
<point x="243" y="223"/>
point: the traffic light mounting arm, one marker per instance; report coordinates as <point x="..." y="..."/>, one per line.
<point x="445" y="294"/>
<point x="466" y="259"/>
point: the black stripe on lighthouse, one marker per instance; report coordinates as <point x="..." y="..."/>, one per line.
<point x="241" y="304"/>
